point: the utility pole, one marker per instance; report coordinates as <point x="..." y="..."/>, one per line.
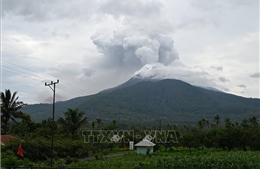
<point x="53" y="111"/>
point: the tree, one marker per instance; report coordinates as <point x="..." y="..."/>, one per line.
<point x="114" y="124"/>
<point x="29" y="128"/>
<point x="189" y="140"/>
<point x="253" y="120"/>
<point x="73" y="121"/>
<point x="244" y="123"/>
<point x="10" y="109"/>
<point x="111" y="126"/>
<point x="99" y="122"/>
<point x="93" y="124"/>
<point x="217" y="120"/>
<point x="227" y="122"/>
<point x="202" y="123"/>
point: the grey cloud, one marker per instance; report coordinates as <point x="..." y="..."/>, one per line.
<point x="220" y="4"/>
<point x="88" y="72"/>
<point x="194" y="23"/>
<point x="223" y="79"/>
<point x="218" y="68"/>
<point x="134" y="51"/>
<point x="139" y="15"/>
<point x="44" y="98"/>
<point x="65" y="69"/>
<point x="56" y="33"/>
<point x="131" y="8"/>
<point x="255" y="75"/>
<point x="242" y="86"/>
<point x="47" y="10"/>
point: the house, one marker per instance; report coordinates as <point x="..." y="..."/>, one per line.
<point x="7" y="138"/>
<point x="143" y="146"/>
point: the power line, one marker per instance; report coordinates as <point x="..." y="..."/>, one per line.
<point x="31" y="74"/>
<point x="13" y="71"/>
<point x="51" y="76"/>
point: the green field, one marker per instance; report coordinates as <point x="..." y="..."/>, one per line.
<point x="198" y="159"/>
<point x="78" y="143"/>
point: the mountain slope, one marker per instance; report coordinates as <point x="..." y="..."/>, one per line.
<point x="144" y="101"/>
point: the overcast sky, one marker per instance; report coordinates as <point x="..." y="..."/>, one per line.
<point x="92" y="45"/>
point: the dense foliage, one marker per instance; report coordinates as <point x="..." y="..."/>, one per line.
<point x="143" y="102"/>
<point x="10" y="109"/>
<point x="244" y="136"/>
<point x="179" y="160"/>
<point x="220" y="143"/>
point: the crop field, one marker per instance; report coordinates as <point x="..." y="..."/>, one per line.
<point x="200" y="159"/>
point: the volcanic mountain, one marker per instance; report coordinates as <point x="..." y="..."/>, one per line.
<point x="142" y="101"/>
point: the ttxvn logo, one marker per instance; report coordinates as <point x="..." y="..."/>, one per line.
<point x="124" y="136"/>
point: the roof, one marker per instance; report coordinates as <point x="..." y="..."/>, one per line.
<point x="7" y="138"/>
<point x="145" y="143"/>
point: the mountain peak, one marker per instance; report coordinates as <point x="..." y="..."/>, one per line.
<point x="139" y="101"/>
<point x="157" y="72"/>
<point x="149" y="72"/>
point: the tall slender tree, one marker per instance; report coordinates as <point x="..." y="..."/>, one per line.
<point x="114" y="124"/>
<point x="99" y="123"/>
<point x="244" y="123"/>
<point x="10" y="109"/>
<point x="254" y="121"/>
<point x="202" y="123"/>
<point x="228" y="122"/>
<point x="217" y="120"/>
<point x="93" y="125"/>
<point x="73" y="121"/>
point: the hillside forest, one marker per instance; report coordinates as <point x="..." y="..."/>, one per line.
<point x="70" y="147"/>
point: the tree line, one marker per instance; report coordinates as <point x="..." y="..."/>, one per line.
<point x="69" y="143"/>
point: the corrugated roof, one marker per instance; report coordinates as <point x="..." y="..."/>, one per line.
<point x="145" y="143"/>
<point x="7" y="138"/>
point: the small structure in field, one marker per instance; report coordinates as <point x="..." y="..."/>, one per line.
<point x="7" y="138"/>
<point x="143" y="146"/>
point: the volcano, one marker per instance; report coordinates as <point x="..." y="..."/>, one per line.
<point x="143" y="100"/>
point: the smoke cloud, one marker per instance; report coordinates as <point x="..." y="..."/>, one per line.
<point x="133" y="39"/>
<point x="134" y="51"/>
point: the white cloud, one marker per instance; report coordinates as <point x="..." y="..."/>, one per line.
<point x="94" y="45"/>
<point x="176" y="71"/>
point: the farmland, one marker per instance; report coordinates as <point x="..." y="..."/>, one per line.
<point x="198" y="159"/>
<point x="78" y="143"/>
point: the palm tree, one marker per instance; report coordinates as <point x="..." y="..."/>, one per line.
<point x="93" y="124"/>
<point x="10" y="109"/>
<point x="227" y="122"/>
<point x="99" y="122"/>
<point x="253" y="120"/>
<point x="217" y="120"/>
<point x="202" y="123"/>
<point x="73" y="121"/>
<point x="244" y="123"/>
<point x="114" y="124"/>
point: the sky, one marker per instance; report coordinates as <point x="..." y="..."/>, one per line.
<point x="94" y="45"/>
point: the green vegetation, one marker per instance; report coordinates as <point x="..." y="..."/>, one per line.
<point x="216" y="143"/>
<point x="143" y="102"/>
<point x="10" y="109"/>
<point x="73" y="121"/>
<point x="200" y="159"/>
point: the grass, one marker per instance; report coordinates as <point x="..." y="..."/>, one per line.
<point x="198" y="159"/>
